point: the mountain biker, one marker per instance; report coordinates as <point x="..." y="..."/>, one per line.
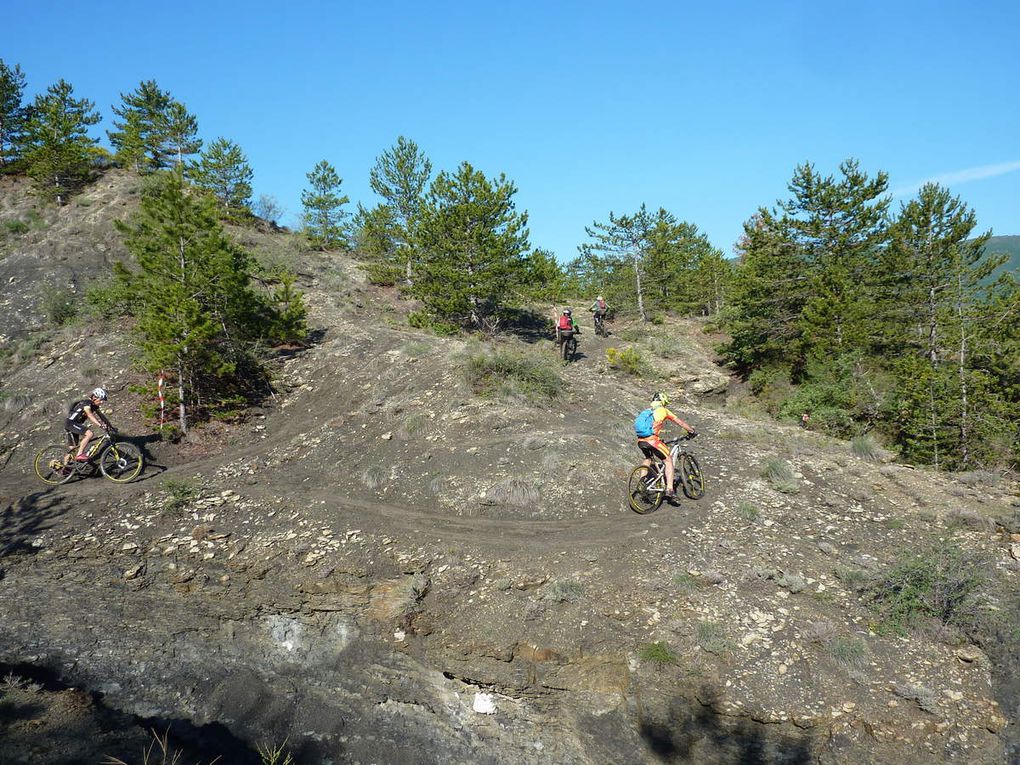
<point x="647" y="426"/>
<point x="599" y="309"/>
<point x="80" y="414"/>
<point x="566" y="328"/>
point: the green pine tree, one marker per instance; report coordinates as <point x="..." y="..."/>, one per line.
<point x="179" y="130"/>
<point x="196" y="311"/>
<point x="224" y="172"/>
<point x="323" y="208"/>
<point x="400" y="176"/>
<point x="139" y="141"/>
<point x="59" y="150"/>
<point x="13" y="114"/>
<point x="472" y="244"/>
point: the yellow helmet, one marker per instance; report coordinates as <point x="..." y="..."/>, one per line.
<point x="661" y="399"/>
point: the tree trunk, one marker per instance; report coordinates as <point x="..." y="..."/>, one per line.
<point x="182" y="412"/>
<point x="964" y="423"/>
<point x="640" y="295"/>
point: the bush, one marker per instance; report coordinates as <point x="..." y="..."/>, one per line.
<point x="59" y="305"/>
<point x="513" y="373"/>
<point x="16" y="227"/>
<point x="940" y="583"/>
<point x="867" y="448"/>
<point x="422" y="320"/>
<point x="177" y="494"/>
<point x="628" y="360"/>
<point x="779" y="473"/>
<point x="657" y="653"/>
<point x="383" y="274"/>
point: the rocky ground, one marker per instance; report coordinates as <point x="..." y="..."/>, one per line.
<point x="381" y="566"/>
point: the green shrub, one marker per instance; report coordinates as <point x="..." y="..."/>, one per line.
<point x="383" y="274"/>
<point x="657" y="653"/>
<point x="940" y="582"/>
<point x="628" y="360"/>
<point x="562" y="591"/>
<point x="177" y="494"/>
<point x="779" y="473"/>
<point x="59" y="305"/>
<point x="422" y="320"/>
<point x="513" y="373"/>
<point x="848" y="651"/>
<point x="867" y="448"/>
<point x="16" y="227"/>
<point x="747" y="511"/>
<point x="712" y="638"/>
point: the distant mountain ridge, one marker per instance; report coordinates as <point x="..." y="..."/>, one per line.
<point x="1009" y="245"/>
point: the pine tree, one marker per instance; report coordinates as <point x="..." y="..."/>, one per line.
<point x="59" y="150"/>
<point x="619" y="244"/>
<point x="472" y="243"/>
<point x="324" y="214"/>
<point x="13" y="114"/>
<point x="400" y="176"/>
<point x="768" y="295"/>
<point x="191" y="294"/>
<point x="179" y="130"/>
<point x="224" y="172"/>
<point x="838" y="228"/>
<point x="139" y="141"/>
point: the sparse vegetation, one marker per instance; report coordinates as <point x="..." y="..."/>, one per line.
<point x="779" y="473"/>
<point x="16" y="227"/>
<point x="922" y="696"/>
<point x="657" y="653"/>
<point x="513" y="373"/>
<point x="748" y="512"/>
<point x="712" y="638"/>
<point x="59" y="305"/>
<point x="867" y="448"/>
<point x="275" y="755"/>
<point x="177" y="494"/>
<point x="627" y="360"/>
<point x="940" y="582"/>
<point x="563" y="591"/>
<point x="514" y="492"/>
<point x="848" y="651"/>
<point x="373" y="476"/>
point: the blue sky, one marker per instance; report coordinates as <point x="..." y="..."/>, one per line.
<point x="589" y="107"/>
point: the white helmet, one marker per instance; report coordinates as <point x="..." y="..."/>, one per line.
<point x="99" y="393"/>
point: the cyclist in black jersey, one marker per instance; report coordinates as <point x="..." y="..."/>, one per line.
<point x="81" y="414"/>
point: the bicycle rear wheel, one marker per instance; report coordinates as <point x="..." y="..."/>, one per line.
<point x="50" y="465"/>
<point x="645" y="489"/>
<point x="121" y="462"/>
<point x="691" y="477"/>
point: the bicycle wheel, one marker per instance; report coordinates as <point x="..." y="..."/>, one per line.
<point x="571" y="349"/>
<point x="50" y="466"/>
<point x="645" y="489"/>
<point x="691" y="477"/>
<point x="121" y="462"/>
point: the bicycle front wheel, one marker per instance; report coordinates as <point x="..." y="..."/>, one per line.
<point x="691" y="477"/>
<point x="645" y="489"/>
<point x="51" y="467"/>
<point x="121" y="462"/>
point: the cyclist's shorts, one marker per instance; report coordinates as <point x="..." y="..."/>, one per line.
<point x="77" y="428"/>
<point x="653" y="448"/>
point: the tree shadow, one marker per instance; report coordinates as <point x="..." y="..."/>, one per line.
<point x="527" y="325"/>
<point x="26" y="518"/>
<point x="691" y="732"/>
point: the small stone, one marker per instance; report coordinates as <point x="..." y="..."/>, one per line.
<point x="134" y="571"/>
<point x="484" y="704"/>
<point x="782" y="669"/>
<point x="387" y="436"/>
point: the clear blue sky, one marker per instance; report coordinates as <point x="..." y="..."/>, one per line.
<point x="589" y="107"/>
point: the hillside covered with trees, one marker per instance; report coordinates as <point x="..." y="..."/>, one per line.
<point x="898" y="323"/>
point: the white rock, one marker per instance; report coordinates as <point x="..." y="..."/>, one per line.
<point x="484" y="704"/>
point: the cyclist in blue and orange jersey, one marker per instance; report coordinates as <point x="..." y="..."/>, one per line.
<point x="648" y="425"/>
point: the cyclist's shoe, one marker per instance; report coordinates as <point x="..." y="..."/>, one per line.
<point x="82" y="458"/>
<point x="670" y="494"/>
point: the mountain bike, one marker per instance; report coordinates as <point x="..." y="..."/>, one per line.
<point x="569" y="348"/>
<point x="600" y="325"/>
<point x="119" y="461"/>
<point x="646" y="487"/>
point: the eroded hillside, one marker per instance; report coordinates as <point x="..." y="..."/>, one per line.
<point x="381" y="565"/>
